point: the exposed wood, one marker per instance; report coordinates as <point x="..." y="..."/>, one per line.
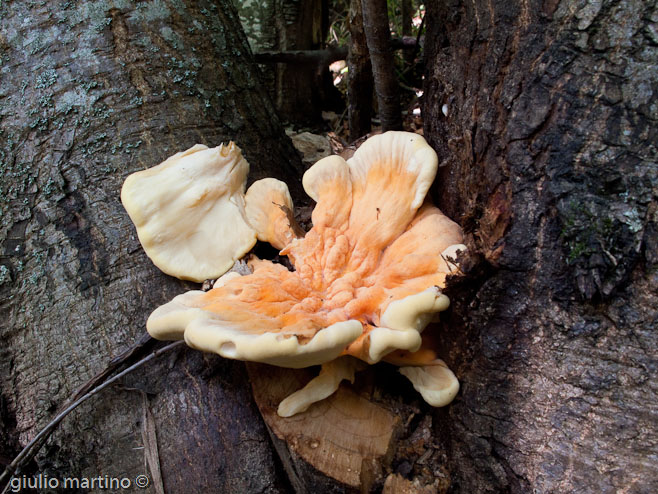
<point x="544" y="123"/>
<point x="346" y="436"/>
<point x="366" y="432"/>
<point x="378" y="35"/>
<point x="397" y="484"/>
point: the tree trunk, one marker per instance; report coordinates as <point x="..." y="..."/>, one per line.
<point x="544" y="118"/>
<point x="378" y="36"/>
<point x="359" y="75"/>
<point x="90" y="92"/>
<point x="406" y="17"/>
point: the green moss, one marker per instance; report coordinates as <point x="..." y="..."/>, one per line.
<point x="576" y="250"/>
<point x="585" y="233"/>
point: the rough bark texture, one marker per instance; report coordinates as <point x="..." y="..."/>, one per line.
<point x="549" y="160"/>
<point x="90" y="92"/>
<point x="359" y="75"/>
<point x="378" y="37"/>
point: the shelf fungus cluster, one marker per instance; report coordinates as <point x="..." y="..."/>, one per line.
<point x="367" y="277"/>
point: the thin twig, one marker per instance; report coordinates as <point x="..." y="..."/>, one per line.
<point x="114" y="364"/>
<point x="150" y="441"/>
<point x="35" y="444"/>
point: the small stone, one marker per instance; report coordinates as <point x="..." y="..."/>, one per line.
<point x="312" y="146"/>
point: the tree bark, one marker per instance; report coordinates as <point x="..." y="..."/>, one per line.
<point x="544" y="118"/>
<point x="378" y="35"/>
<point x="90" y="92"/>
<point x="406" y="17"/>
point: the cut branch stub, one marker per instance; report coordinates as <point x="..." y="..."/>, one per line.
<point x="337" y="436"/>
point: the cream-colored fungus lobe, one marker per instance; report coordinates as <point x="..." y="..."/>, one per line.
<point x="189" y="211"/>
<point x="331" y="375"/>
<point x="435" y="382"/>
<point x="269" y="211"/>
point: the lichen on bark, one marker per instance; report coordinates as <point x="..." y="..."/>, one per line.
<point x="90" y="92"/>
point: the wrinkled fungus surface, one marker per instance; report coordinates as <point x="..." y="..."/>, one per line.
<point x="366" y="277"/>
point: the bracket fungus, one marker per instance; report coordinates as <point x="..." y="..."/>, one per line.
<point x="367" y="277"/>
<point x="189" y="211"/>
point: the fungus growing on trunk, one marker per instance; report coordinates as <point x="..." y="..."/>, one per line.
<point x="367" y="278"/>
<point x="189" y="211"/>
<point x="193" y="217"/>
